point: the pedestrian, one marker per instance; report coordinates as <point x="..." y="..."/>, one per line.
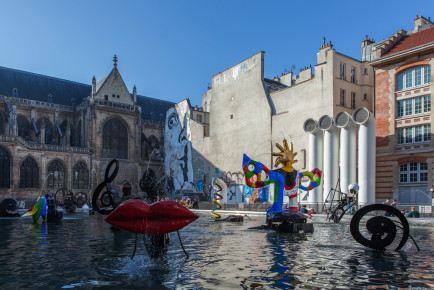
<point x="195" y="204"/>
<point x="303" y="209"/>
<point x="413" y="213"/>
<point x="403" y="211"/>
<point x="394" y="203"/>
<point x="387" y="202"/>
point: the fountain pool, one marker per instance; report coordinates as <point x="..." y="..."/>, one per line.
<point x="82" y="252"/>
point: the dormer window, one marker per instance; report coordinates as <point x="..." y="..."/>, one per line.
<point x="73" y="102"/>
<point x="50" y="98"/>
<point x="15" y="92"/>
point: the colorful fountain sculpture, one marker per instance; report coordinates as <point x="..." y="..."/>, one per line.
<point x="287" y="182"/>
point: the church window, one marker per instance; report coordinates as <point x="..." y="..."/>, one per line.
<point x="49" y="134"/>
<point x="115" y="140"/>
<point x="55" y="175"/>
<point x="5" y="168"/>
<point x="80" y="176"/>
<point x="23" y="127"/>
<point x="29" y="173"/>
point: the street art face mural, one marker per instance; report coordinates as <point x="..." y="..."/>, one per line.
<point x="177" y="146"/>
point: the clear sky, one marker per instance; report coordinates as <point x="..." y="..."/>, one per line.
<point x="171" y="49"/>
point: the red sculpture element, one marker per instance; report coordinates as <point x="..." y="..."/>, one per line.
<point x="158" y="218"/>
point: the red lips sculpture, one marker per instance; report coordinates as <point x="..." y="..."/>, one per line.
<point x="159" y="218"/>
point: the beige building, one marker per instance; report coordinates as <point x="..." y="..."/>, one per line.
<point x="58" y="134"/>
<point x="250" y="113"/>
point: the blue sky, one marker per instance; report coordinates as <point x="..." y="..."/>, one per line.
<point x="171" y="49"/>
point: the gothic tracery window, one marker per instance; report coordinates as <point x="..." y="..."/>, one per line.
<point x="80" y="176"/>
<point x="29" y="173"/>
<point x="56" y="175"/>
<point x="23" y="127"/>
<point x="115" y="140"/>
<point x="5" y="168"/>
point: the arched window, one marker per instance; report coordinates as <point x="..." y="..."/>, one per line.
<point x="80" y="176"/>
<point x="29" y="173"/>
<point x="49" y="133"/>
<point x="115" y="140"/>
<point x="63" y="128"/>
<point x="23" y="127"/>
<point x="413" y="77"/>
<point x="56" y="175"/>
<point x="5" y="168"/>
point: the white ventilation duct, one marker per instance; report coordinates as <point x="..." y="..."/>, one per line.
<point x="366" y="156"/>
<point x="347" y="152"/>
<point x="315" y="155"/>
<point x="331" y="154"/>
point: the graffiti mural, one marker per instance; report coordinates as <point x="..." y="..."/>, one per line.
<point x="177" y="146"/>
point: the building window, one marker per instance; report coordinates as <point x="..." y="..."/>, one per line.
<point x="115" y="140"/>
<point x="365" y="96"/>
<point x="414" y="106"/>
<point x="199" y="118"/>
<point x="413" y="172"/>
<point x="353" y="75"/>
<point x="23" y="127"/>
<point x="342" y="98"/>
<point x="1" y="124"/>
<point x="365" y="71"/>
<point x="29" y="174"/>
<point x="113" y="96"/>
<point x="413" y="77"/>
<point x="117" y="96"/>
<point x="414" y="134"/>
<point x="49" y="134"/>
<point x="353" y="100"/>
<point x="232" y="116"/>
<point x="80" y="176"/>
<point x="105" y="97"/>
<point x="343" y="71"/>
<point x="55" y="175"/>
<point x="5" y="168"/>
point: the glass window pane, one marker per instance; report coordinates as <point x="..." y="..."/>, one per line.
<point x="408" y="135"/>
<point x="403" y="167"/>
<point x="418" y="76"/>
<point x="400" y="136"/>
<point x="427" y="74"/>
<point x="400" y="82"/>
<point x="418" y="136"/>
<point x="413" y="166"/>
<point x="427" y="104"/>
<point x="427" y="132"/>
<point x="423" y="166"/>
<point x="400" y="109"/>
<point x="413" y="177"/>
<point x="408" y="107"/>
<point x="418" y="105"/>
<point x="403" y="177"/>
<point x="408" y="78"/>
<point x="423" y="176"/>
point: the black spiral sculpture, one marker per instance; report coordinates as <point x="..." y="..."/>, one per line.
<point x="381" y="228"/>
<point x="109" y="196"/>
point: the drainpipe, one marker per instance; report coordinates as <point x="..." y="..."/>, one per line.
<point x="366" y="157"/>
<point x="331" y="153"/>
<point x="316" y="141"/>
<point x="347" y="152"/>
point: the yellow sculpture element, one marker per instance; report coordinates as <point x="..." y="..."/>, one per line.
<point x="285" y="157"/>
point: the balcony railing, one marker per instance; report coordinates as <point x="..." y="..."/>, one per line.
<point x="43" y="147"/>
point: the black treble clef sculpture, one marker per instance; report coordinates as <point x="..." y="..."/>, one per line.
<point x="109" y="197"/>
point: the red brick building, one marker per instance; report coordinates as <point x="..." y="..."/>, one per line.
<point x="403" y="92"/>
